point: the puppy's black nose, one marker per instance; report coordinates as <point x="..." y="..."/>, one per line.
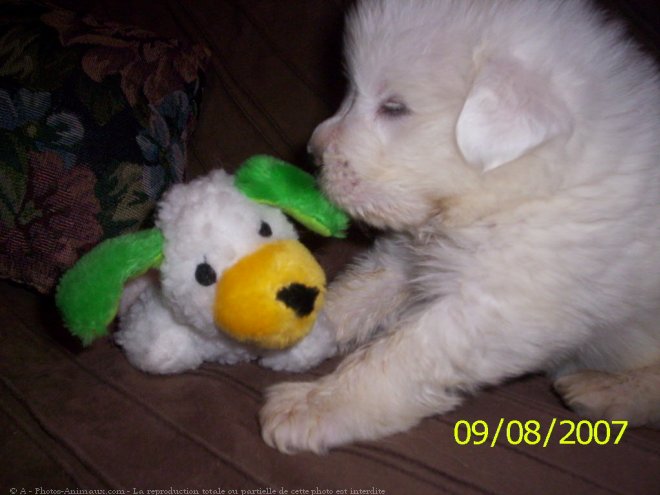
<point x="299" y="298"/>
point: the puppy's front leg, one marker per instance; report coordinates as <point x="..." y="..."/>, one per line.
<point x="385" y="387"/>
<point x="382" y="388"/>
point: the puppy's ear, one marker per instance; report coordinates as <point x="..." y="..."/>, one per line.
<point x="508" y="111"/>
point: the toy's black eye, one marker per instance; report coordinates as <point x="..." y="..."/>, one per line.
<point x="265" y="230"/>
<point x="205" y="274"/>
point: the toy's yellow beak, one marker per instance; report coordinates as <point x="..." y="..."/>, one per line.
<point x="270" y="297"/>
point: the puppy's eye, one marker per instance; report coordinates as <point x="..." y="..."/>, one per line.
<point x="393" y="108"/>
<point x="265" y="230"/>
<point x="205" y="274"/>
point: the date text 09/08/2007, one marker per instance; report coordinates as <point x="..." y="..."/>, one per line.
<point x="531" y="432"/>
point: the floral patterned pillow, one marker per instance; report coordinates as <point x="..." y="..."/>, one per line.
<point x="94" y="121"/>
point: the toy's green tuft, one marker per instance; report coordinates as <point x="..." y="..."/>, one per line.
<point x="274" y="182"/>
<point x="88" y="294"/>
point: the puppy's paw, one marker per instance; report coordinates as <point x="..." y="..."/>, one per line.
<point x="601" y="395"/>
<point x="298" y="417"/>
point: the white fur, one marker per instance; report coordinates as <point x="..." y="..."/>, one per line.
<point x="510" y="151"/>
<point x="166" y="321"/>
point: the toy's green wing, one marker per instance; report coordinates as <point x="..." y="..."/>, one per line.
<point x="274" y="182"/>
<point x="88" y="294"/>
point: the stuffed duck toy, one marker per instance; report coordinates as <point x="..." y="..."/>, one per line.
<point x="222" y="276"/>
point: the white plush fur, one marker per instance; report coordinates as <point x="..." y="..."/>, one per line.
<point x="166" y="319"/>
<point x="510" y="152"/>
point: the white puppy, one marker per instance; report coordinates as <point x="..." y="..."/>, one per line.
<point x="511" y="151"/>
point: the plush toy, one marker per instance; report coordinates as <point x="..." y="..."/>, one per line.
<point x="220" y="276"/>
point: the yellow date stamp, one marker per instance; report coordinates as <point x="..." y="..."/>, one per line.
<point x="532" y="432"/>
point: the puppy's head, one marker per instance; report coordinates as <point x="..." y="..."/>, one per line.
<point x="435" y="105"/>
